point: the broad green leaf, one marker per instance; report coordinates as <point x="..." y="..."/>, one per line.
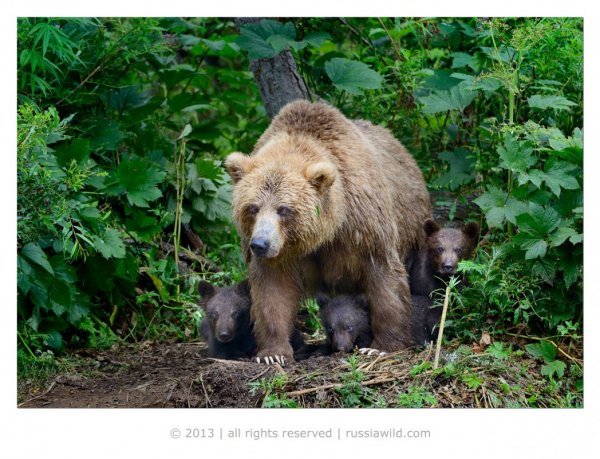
<point x="571" y="273"/>
<point x="539" y="221"/>
<point x="562" y="234"/>
<point x="498" y="207"/>
<point x="559" y="175"/>
<point x="254" y="38"/>
<point x="316" y="39"/>
<point x="138" y="179"/>
<point x="463" y="60"/>
<point x="516" y="155"/>
<point x="54" y="340"/>
<point x="542" y="350"/>
<point x="209" y="169"/>
<point x="497" y="350"/>
<point x="461" y="169"/>
<point x="536" y="248"/>
<point x="544" y="269"/>
<point x="555" y="367"/>
<point x="443" y="80"/>
<point x="110" y="244"/>
<point x="352" y="76"/>
<point x="106" y="134"/>
<point x="456" y="98"/>
<point x="78" y="150"/>
<point x="555" y="102"/>
<point x="37" y="255"/>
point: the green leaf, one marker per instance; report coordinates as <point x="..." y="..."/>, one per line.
<point x="110" y="244"/>
<point x="186" y="131"/>
<point x="497" y="350"/>
<point x="542" y="350"/>
<point x="545" y="269"/>
<point x="209" y="169"/>
<point x="37" y="255"/>
<point x="535" y="249"/>
<point x="498" y="207"/>
<point x="254" y="38"/>
<point x="562" y="234"/>
<point x="54" y="340"/>
<point x="352" y="76"/>
<point x="78" y="150"/>
<point x="138" y="180"/>
<point x="516" y="155"/>
<point x="461" y="170"/>
<point x="456" y="98"/>
<point x="558" y="175"/>
<point x="554" y="102"/>
<point x="463" y="60"/>
<point x="555" y="367"/>
<point x="106" y="134"/>
<point x="317" y="38"/>
<point x="571" y="273"/>
<point x="539" y="221"/>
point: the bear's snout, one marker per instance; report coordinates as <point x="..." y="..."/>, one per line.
<point x="448" y="268"/>
<point x="260" y="246"/>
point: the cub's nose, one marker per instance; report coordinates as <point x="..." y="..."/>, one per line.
<point x="259" y="246"/>
<point x="224" y="337"/>
<point x="448" y="268"/>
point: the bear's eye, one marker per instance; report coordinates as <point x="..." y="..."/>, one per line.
<point x="252" y="209"/>
<point x="458" y="250"/>
<point x="284" y="211"/>
<point x="439" y="250"/>
<point x="234" y="315"/>
<point x="214" y="315"/>
<point x="330" y="330"/>
<point x="349" y="328"/>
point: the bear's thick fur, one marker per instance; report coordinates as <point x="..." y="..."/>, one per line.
<point x="325" y="202"/>
<point x="227" y="328"/>
<point x="438" y="258"/>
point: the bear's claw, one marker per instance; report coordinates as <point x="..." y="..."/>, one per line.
<point x="272" y="359"/>
<point x="371" y="351"/>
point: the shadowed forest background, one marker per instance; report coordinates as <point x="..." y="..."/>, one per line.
<point x="124" y="204"/>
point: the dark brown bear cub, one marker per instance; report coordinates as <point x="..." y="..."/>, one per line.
<point x="227" y="327"/>
<point x="438" y="260"/>
<point x="347" y="322"/>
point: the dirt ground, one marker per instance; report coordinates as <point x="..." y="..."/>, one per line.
<point x="180" y="375"/>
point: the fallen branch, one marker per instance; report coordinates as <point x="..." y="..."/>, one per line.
<point x="370" y="382"/>
<point x="38" y="396"/>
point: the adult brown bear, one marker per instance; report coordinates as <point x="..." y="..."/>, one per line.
<point x="323" y="201"/>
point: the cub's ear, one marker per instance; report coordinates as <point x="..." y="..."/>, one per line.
<point x="363" y="301"/>
<point x="237" y="165"/>
<point x="471" y="230"/>
<point x="320" y="175"/>
<point x="206" y="290"/>
<point x="243" y="288"/>
<point x="322" y="299"/>
<point x="430" y="227"/>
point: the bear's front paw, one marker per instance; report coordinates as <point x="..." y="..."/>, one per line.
<point x="371" y="351"/>
<point x="273" y="359"/>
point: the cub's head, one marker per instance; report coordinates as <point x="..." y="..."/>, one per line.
<point x="279" y="198"/>
<point x="346" y="320"/>
<point x="227" y="309"/>
<point x="447" y="246"/>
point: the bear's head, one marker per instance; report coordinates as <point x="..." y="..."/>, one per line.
<point x="447" y="246"/>
<point x="346" y="320"/>
<point x="281" y="195"/>
<point x="227" y="309"/>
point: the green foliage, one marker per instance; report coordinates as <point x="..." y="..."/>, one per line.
<point x="417" y="397"/>
<point x="352" y="76"/>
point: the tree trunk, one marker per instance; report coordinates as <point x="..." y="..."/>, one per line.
<point x="277" y="78"/>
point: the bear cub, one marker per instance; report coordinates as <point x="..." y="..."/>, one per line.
<point x="347" y="322"/>
<point x="438" y="259"/>
<point x="227" y="327"/>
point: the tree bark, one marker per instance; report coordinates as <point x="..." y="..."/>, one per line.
<point x="277" y="78"/>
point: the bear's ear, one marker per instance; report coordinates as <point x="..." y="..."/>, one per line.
<point x="322" y="299"/>
<point x="430" y="227"/>
<point x="243" y="288"/>
<point x="363" y="301"/>
<point x="471" y="230"/>
<point x="237" y="165"/>
<point x="206" y="290"/>
<point x="320" y="175"/>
